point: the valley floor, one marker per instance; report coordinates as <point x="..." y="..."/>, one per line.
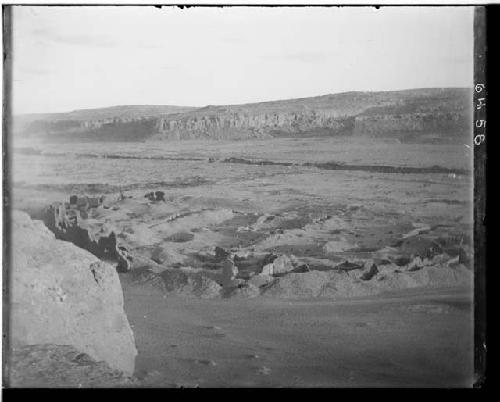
<point x="419" y="338"/>
<point x="418" y="335"/>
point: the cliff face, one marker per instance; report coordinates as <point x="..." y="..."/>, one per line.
<point x="229" y="124"/>
<point x="443" y="111"/>
<point x="452" y="122"/>
<point x="447" y="113"/>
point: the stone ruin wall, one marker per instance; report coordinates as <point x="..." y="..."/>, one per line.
<point x="67" y="222"/>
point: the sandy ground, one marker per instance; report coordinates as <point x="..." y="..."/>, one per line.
<point x="406" y="339"/>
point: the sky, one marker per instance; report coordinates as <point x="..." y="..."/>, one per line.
<point x="67" y="58"/>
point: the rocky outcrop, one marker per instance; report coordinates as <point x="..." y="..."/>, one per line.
<point x="259" y="125"/>
<point x="63" y="295"/>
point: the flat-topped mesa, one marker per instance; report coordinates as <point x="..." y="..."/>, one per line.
<point x="111" y="129"/>
<point x="67" y="222"/>
<point x="446" y="112"/>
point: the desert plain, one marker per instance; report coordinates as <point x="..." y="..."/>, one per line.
<point x="283" y="262"/>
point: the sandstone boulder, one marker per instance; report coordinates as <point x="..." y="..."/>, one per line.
<point x="63" y="295"/>
<point x="277" y="265"/>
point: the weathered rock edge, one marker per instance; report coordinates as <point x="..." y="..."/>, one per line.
<point x="63" y="295"/>
<point x="62" y="366"/>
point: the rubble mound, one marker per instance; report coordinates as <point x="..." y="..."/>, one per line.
<point x="193" y="252"/>
<point x="177" y="282"/>
<point x="364" y="281"/>
<point x="63" y="295"/>
<point x="194" y="284"/>
<point x="287" y="276"/>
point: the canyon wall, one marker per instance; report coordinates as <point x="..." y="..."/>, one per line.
<point x="261" y="125"/>
<point x="451" y="124"/>
<point x="444" y="112"/>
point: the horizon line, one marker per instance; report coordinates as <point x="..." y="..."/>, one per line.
<point x="239" y="104"/>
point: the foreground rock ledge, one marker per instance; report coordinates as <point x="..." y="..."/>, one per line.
<point x="63" y="295"/>
<point x="61" y="366"/>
